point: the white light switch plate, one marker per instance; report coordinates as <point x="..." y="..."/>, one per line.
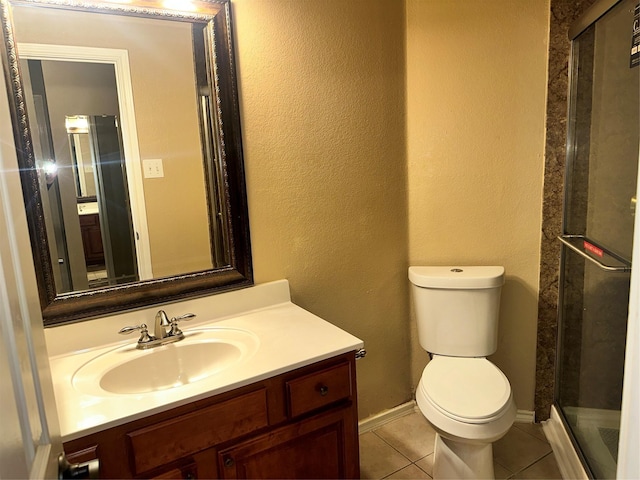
<point x="153" y="168"/>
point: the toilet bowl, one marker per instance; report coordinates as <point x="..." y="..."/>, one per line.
<point x="465" y="397"/>
<point x="469" y="403"/>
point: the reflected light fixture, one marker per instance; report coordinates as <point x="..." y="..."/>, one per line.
<point x="76" y="124"/>
<point x="184" y="5"/>
<point x="50" y="170"/>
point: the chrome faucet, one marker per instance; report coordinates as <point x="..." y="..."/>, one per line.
<point x="161" y="336"/>
<point x="160" y="325"/>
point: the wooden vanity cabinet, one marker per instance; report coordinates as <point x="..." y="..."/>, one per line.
<point x="300" y="424"/>
<point x="315" y="447"/>
<point x="92" y="239"/>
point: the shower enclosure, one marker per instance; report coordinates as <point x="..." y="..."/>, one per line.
<point x="599" y="209"/>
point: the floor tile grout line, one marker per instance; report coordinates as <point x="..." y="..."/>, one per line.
<point x="408" y="459"/>
<point x="395" y="471"/>
<point x="394" y="448"/>
<point x="406" y="466"/>
<point x="507" y="469"/>
<point x="422" y="469"/>
<point x="530" y="465"/>
<point x="531" y="435"/>
<point x="511" y="475"/>
<point x="515" y="425"/>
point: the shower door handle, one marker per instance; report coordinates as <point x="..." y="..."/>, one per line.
<point x="626" y="267"/>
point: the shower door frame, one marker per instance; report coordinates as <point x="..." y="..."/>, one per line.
<point x="627" y="462"/>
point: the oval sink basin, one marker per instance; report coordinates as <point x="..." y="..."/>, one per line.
<point x="201" y="354"/>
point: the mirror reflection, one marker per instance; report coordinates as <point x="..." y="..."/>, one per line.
<point x="137" y="171"/>
<point x="170" y="226"/>
<point x="102" y="204"/>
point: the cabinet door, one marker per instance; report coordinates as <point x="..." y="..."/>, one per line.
<point x="324" y="446"/>
<point x="188" y="472"/>
<point x="92" y="239"/>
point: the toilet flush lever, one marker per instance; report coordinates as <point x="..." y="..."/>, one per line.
<point x="361" y="353"/>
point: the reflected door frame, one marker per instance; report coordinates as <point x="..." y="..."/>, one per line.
<point x="120" y="60"/>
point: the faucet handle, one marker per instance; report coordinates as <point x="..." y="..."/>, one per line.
<point x="144" y="332"/>
<point x="174" y="323"/>
<point x="186" y="316"/>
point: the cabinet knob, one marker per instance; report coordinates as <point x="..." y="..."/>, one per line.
<point x="323" y="390"/>
<point x="228" y="462"/>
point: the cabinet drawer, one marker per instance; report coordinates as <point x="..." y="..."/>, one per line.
<point x="85" y="455"/>
<point x="317" y="389"/>
<point x="173" y="439"/>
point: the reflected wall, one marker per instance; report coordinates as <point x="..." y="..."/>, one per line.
<point x="176" y="203"/>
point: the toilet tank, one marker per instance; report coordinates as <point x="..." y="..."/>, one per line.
<point x="457" y="309"/>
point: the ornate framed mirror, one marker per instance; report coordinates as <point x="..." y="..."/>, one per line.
<point x="127" y="127"/>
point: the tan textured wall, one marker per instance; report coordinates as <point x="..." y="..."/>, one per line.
<point x="322" y="105"/>
<point x="161" y="59"/>
<point x="323" y="109"/>
<point x="476" y="82"/>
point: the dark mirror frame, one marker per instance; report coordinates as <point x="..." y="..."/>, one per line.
<point x="75" y="306"/>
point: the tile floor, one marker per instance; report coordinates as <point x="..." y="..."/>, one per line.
<point x="403" y="449"/>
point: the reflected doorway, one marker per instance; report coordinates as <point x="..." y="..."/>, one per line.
<point x="102" y="199"/>
<point x="87" y="205"/>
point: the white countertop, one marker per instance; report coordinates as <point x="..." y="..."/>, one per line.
<point x="289" y="337"/>
<point x="88" y="208"/>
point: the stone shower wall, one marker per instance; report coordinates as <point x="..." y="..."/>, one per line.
<point x="563" y="14"/>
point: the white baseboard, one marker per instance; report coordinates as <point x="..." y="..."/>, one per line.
<point x="566" y="456"/>
<point x="386" y="416"/>
<point x="379" y="419"/>
<point x="525" y="416"/>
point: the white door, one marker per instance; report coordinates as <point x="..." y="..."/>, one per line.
<point x="29" y="433"/>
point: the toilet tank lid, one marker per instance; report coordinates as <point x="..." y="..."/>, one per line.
<point x="457" y="277"/>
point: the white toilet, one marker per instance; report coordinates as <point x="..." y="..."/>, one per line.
<point x="465" y="397"/>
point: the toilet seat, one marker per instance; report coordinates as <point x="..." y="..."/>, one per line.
<point x="469" y="390"/>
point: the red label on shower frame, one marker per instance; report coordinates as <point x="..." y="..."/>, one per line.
<point x="589" y="247"/>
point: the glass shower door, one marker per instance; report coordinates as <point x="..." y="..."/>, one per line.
<point x="602" y="168"/>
